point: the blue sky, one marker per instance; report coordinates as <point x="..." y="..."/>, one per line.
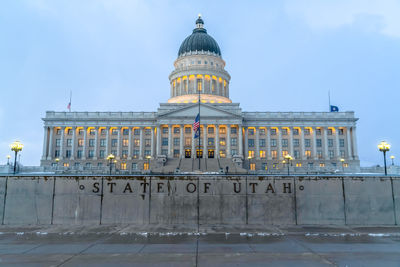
<point x="282" y="56"/>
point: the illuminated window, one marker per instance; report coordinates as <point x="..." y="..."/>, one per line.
<point x="213" y="85"/>
<point x="322" y="164"/>
<point x="222" y="130"/>
<point x="125" y="142"/>
<point x="274" y="154"/>
<point x="136" y="142"/>
<point x="284" y="153"/>
<point x="252" y="166"/>
<point x="298" y="164"/>
<point x="188" y="141"/>
<point x="222" y="141"/>
<point x="251" y="153"/>
<point x="80" y="142"/>
<point x="66" y="164"/>
<point x="199" y="83"/>
<point x="222" y="154"/>
<point x="145" y="166"/>
<point x="308" y="153"/>
<point x="345" y="165"/>
<point x="262" y="153"/>
<point x="123" y="166"/>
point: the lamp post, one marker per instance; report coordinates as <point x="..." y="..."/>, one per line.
<point x="288" y="159"/>
<point x="57" y="160"/>
<point x="392" y="158"/>
<point x="8" y="159"/>
<point x="384" y="147"/>
<point x="16" y="147"/>
<point x="148" y="162"/>
<point x="342" y="161"/>
<point x="249" y="158"/>
<point x="110" y="160"/>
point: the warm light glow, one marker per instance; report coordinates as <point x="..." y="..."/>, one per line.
<point x="342" y="160"/>
<point x="392" y="157"/>
<point x="8" y="156"/>
<point x="16" y="146"/>
<point x="110" y="157"/>
<point x="383" y="146"/>
<point x="57" y="160"/>
<point x="288" y="157"/>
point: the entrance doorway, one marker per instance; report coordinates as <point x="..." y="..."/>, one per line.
<point x="188" y="153"/>
<point x="211" y="153"/>
<point x="199" y="153"/>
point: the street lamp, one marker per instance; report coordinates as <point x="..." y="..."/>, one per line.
<point x="8" y="159"/>
<point x="288" y="159"/>
<point x="392" y="158"/>
<point x="148" y="157"/>
<point x="57" y="160"/>
<point x="342" y="161"/>
<point x="16" y="147"/>
<point x="384" y="147"/>
<point x="249" y="158"/>
<point x="110" y="160"/>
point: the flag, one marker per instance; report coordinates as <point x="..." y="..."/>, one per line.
<point x="69" y="103"/>
<point x="69" y="106"/>
<point x="196" y="126"/>
<point x="334" y="109"/>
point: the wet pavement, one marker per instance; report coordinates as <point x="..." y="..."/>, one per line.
<point x="224" y="246"/>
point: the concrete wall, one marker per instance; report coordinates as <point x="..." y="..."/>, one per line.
<point x="212" y="200"/>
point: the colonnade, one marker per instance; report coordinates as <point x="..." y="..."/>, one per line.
<point x="206" y="84"/>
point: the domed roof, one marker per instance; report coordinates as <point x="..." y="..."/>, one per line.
<point x="199" y="40"/>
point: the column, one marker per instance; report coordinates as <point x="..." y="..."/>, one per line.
<point x="202" y="84"/>
<point x="354" y="142"/>
<point x="205" y="152"/>
<point x="257" y="133"/>
<point x="44" y="155"/>
<point x="217" y="141"/>
<point x="348" y="143"/>
<point x="84" y="143"/>
<point x="268" y="130"/>
<point x="107" y="141"/>
<point x="62" y="143"/>
<point x="96" y="136"/>
<point x="118" y="143"/>
<point x="73" y="142"/>
<point x="181" y="87"/>
<point x="210" y="89"/>
<point x="193" y="145"/>
<point x="181" y="142"/>
<point x="158" y="140"/>
<point x="291" y="141"/>
<point x="314" y="143"/>
<point x="325" y="131"/>
<point x="280" y="143"/>
<point x="152" y="140"/>
<point x="246" y="142"/>
<point x="302" y="151"/>
<point x="228" y="141"/>
<point x="141" y="143"/>
<point x="337" y="152"/>
<point x="240" y="140"/>
<point x="130" y="143"/>
<point x="50" y="154"/>
<point x="170" y="141"/>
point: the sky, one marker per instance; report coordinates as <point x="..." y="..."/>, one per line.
<point x="117" y="55"/>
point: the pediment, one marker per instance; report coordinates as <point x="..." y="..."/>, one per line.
<point x="206" y="112"/>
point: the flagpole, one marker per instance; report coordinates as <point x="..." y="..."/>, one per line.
<point x="199" y="129"/>
<point x="329" y="99"/>
<point x="70" y="99"/>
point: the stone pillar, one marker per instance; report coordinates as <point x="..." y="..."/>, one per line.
<point x="181" y="87"/>
<point x="84" y="143"/>
<point x="268" y="130"/>
<point x="158" y="140"/>
<point x="152" y="140"/>
<point x="62" y="143"/>
<point x="314" y="143"/>
<point x="302" y="150"/>
<point x="246" y="143"/>
<point x="349" y="152"/>
<point x="96" y="137"/>
<point x="130" y="143"/>
<point x="50" y="154"/>
<point x="170" y="141"/>
<point x="118" y="143"/>
<point x="44" y="155"/>
<point x="325" y="135"/>
<point x="181" y="142"/>
<point x="141" y="143"/>
<point x="107" y="141"/>
<point x="228" y="141"/>
<point x="257" y="133"/>
<point x="291" y="141"/>
<point x="354" y="142"/>
<point x="240" y="140"/>
<point x="337" y="149"/>
<point x="205" y="152"/>
<point x="193" y="145"/>
<point x="217" y="141"/>
<point x="73" y="143"/>
<point x="210" y="89"/>
<point x="280" y="143"/>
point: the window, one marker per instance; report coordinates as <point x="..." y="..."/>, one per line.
<point x="57" y="153"/>
<point x="69" y="142"/>
<point x="58" y="142"/>
<point x="295" y="131"/>
<point x="58" y="132"/>
<point x="284" y="131"/>
<point x="68" y="153"/>
<point x="342" y="154"/>
<point x="69" y="132"/>
<point x="102" y="153"/>
<point x="176" y="130"/>
<point x="136" y="142"/>
<point x="164" y="152"/>
<point x="79" y="154"/>
<point x="331" y="153"/>
<point x="164" y="141"/>
<point x="322" y="164"/>
<point x="222" y="130"/>
<point x="102" y="142"/>
<point x="222" y="142"/>
<point x="262" y="131"/>
<point x="114" y="132"/>
<point x="80" y="142"/>
<point x="262" y="153"/>
<point x="234" y="141"/>
<point x="234" y="152"/>
<point x="199" y="62"/>
<point x="210" y="141"/>
<point x="135" y="154"/>
<point x="273" y="131"/>
<point x="66" y="164"/>
<point x="176" y="153"/>
<point x="188" y="130"/>
<point x="188" y="141"/>
<point x="330" y="142"/>
<point x="114" y="142"/>
<point x="199" y="83"/>
<point x="103" y="131"/>
<point x="123" y="165"/>
<point x="136" y="132"/>
<point x="296" y="154"/>
<point x="147" y="131"/>
<point x="341" y="142"/>
<point x="210" y="130"/>
<point x="125" y="142"/>
<point x="298" y="164"/>
<point x="284" y="153"/>
<point x="262" y="142"/>
<point x="296" y="142"/>
<point x="319" y="142"/>
<point x="100" y="164"/>
<point x="345" y="165"/>
<point x="251" y="131"/>
<point x="147" y="153"/>
<point x="145" y="166"/>
<point x="329" y="131"/>
<point x="176" y="141"/>
<point x="264" y="166"/>
<point x="285" y="143"/>
<point x="273" y="142"/>
<point x="222" y="154"/>
<point x="308" y="153"/>
<point x="307" y="131"/>
<point x="310" y="165"/>
<point x="134" y="166"/>
<point x="91" y="153"/>
<point x="92" y="132"/>
<point x="147" y="142"/>
<point x="319" y="154"/>
<point x="251" y="153"/>
<point x="233" y="130"/>
<point x="274" y="154"/>
<point x="91" y="142"/>
<point x="341" y="131"/>
<point x="164" y="130"/>
<point x="307" y="142"/>
<point x="80" y="132"/>
<point x="124" y="154"/>
<point x="318" y="131"/>
<point x="125" y="131"/>
<point x="251" y="142"/>
<point x="252" y="166"/>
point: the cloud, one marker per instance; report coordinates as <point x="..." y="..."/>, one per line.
<point x="380" y="16"/>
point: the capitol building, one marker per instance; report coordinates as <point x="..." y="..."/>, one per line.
<point x="230" y="139"/>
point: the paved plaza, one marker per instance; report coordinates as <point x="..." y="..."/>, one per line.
<point x="223" y="246"/>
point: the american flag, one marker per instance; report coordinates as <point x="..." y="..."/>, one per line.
<point x="196" y="126"/>
<point x="69" y="106"/>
